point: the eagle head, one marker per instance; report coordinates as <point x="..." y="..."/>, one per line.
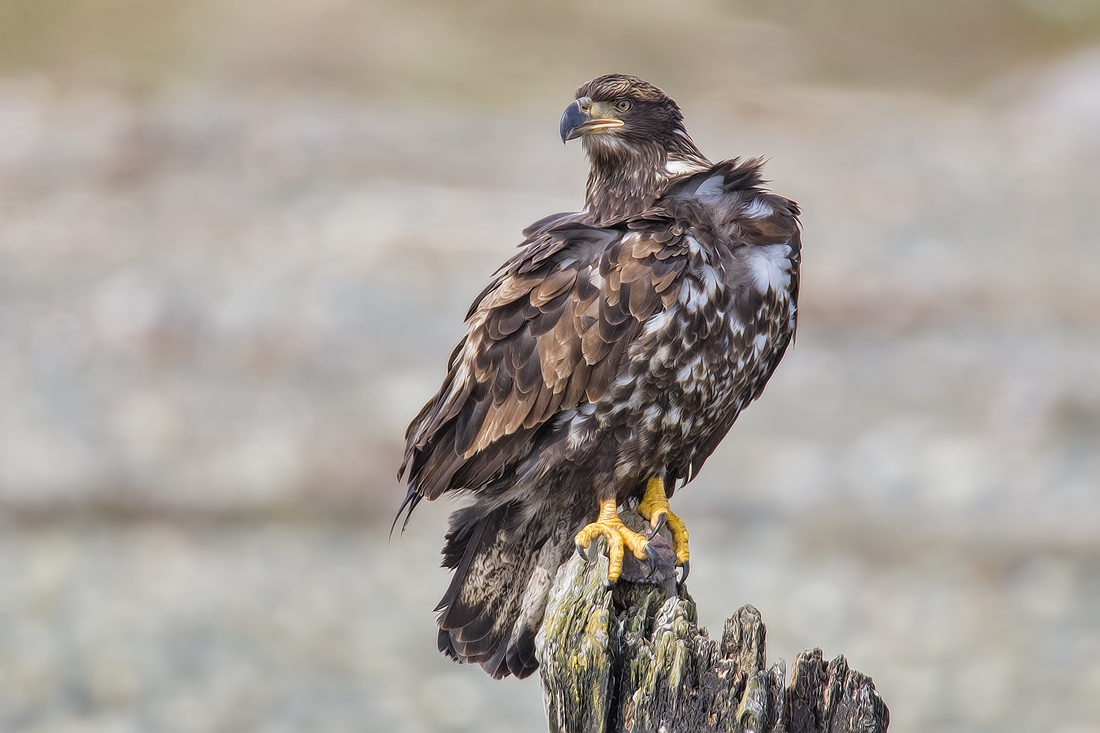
<point x="634" y="136"/>
<point x="618" y="112"/>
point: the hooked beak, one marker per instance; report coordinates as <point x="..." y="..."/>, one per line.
<point x="578" y="119"/>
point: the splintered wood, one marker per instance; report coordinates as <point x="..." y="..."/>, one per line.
<point x="632" y="658"/>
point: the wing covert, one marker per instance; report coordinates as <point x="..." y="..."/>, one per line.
<point x="550" y="332"/>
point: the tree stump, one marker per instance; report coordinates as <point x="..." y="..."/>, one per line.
<point x="632" y="658"/>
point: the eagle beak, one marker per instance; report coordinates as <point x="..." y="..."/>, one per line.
<point x="578" y="119"/>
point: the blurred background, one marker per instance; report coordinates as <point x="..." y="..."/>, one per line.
<point x="237" y="238"/>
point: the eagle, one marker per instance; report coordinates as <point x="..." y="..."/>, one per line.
<point x="600" y="367"/>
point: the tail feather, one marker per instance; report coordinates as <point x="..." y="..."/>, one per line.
<point x="520" y="659"/>
<point x="463" y="542"/>
<point x="504" y="566"/>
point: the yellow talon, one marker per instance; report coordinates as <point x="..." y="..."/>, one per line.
<point x="654" y="508"/>
<point x="619" y="538"/>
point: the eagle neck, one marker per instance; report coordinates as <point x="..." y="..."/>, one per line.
<point x="625" y="182"/>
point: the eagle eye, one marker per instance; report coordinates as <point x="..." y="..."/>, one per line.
<point x="623" y="105"/>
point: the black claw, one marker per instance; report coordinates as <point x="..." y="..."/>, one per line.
<point x="687" y="569"/>
<point x="660" y="523"/>
<point x="581" y="552"/>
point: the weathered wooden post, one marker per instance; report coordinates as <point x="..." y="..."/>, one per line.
<point x="631" y="658"/>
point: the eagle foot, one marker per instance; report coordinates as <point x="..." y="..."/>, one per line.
<point x="619" y="539"/>
<point x="655" y="509"/>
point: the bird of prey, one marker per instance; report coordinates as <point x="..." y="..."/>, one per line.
<point x="601" y="366"/>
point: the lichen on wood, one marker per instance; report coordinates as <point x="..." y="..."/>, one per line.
<point x="632" y="658"/>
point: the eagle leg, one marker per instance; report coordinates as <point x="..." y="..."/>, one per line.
<point x="655" y="509"/>
<point x="619" y="539"/>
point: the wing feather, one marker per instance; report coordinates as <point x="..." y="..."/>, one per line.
<point x="550" y="332"/>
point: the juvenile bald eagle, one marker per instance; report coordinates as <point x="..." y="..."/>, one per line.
<point x="601" y="366"/>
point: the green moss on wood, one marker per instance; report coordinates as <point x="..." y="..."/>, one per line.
<point x="633" y="658"/>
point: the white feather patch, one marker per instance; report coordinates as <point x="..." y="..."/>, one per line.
<point x="757" y="209"/>
<point x="771" y="267"/>
<point x="680" y="167"/>
<point x="658" y="322"/>
<point x="691" y="297"/>
<point x="596" y="279"/>
<point x="695" y="248"/>
<point x="709" y="277"/>
<point x="710" y="188"/>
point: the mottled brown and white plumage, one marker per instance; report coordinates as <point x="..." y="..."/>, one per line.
<point x="617" y="345"/>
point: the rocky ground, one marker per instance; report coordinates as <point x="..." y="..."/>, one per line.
<point x="219" y="310"/>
